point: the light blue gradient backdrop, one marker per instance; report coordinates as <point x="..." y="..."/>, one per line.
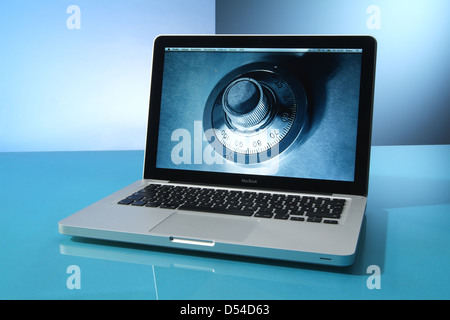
<point x="412" y="98"/>
<point x="84" y="89"/>
<point x="88" y="89"/>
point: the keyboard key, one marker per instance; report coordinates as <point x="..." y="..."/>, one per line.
<point x="126" y="201"/>
<point x="217" y="210"/>
<point x="297" y="219"/>
<point x="135" y="197"/>
<point x="264" y="214"/>
<point x="139" y="203"/>
<point x="314" y="219"/>
<point x="330" y="221"/>
<point x="169" y="206"/>
<point x="153" y="204"/>
<point x="281" y="216"/>
<point x="297" y="212"/>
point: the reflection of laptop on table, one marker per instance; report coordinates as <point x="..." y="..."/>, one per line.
<point x="256" y="145"/>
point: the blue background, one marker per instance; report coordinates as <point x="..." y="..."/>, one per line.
<point x="87" y="89"/>
<point x="412" y="100"/>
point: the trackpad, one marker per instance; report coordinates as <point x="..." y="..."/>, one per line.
<point x="204" y="227"/>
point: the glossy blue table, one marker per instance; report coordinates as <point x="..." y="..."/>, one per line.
<point x="404" y="251"/>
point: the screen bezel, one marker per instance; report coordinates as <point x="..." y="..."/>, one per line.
<point x="357" y="187"/>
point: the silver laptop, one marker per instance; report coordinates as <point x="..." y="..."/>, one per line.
<point x="256" y="146"/>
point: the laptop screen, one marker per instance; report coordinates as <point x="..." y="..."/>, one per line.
<point x="279" y="112"/>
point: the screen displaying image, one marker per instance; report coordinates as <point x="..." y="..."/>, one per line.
<point x="274" y="112"/>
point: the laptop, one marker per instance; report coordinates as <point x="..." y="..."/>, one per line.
<point x="256" y="146"/>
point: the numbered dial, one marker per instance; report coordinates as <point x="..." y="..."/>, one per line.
<point x="255" y="112"/>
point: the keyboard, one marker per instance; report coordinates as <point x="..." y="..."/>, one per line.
<point x="241" y="203"/>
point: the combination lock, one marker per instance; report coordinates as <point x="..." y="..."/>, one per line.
<point x="256" y="112"/>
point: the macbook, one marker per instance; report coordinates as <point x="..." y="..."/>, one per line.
<point x="256" y="146"/>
